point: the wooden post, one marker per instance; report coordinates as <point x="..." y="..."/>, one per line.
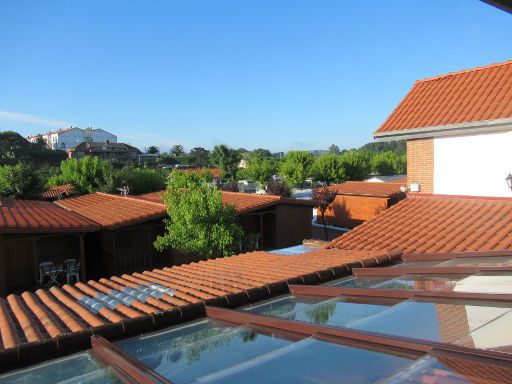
<point x="82" y="258"/>
<point x="36" y="262"/>
<point x="261" y="230"/>
<point x="114" y="253"/>
<point x="3" y="268"/>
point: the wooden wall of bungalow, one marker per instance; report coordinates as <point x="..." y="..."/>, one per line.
<point x="349" y="211"/>
<point x="21" y="254"/>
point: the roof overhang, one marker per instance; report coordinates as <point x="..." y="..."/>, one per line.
<point x="504" y="5"/>
<point x="469" y="128"/>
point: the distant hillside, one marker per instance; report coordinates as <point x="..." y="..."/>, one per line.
<point x="398" y="146"/>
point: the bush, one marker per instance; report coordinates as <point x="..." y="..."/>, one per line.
<point x="139" y="180"/>
<point x="20" y="181"/>
<point x="296" y="167"/>
<point x="88" y="175"/>
<point x="278" y="188"/>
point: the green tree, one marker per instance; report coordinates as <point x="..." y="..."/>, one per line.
<point x="199" y="223"/>
<point x="323" y="197"/>
<point x="261" y="169"/>
<point x="227" y="159"/>
<point x="153" y="150"/>
<point x="20" y="181"/>
<point x="139" y="180"/>
<point x="177" y="150"/>
<point x="296" y="167"/>
<point x="88" y="175"/>
<point x="334" y="149"/>
<point x="388" y="163"/>
<point x="397" y="146"/>
<point x="184" y="179"/>
<point x="328" y="169"/>
<point x="261" y="152"/>
<point x="199" y="157"/>
<point x="13" y="148"/>
<point x="356" y="164"/>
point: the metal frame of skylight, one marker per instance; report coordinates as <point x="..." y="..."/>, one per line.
<point x="454" y="255"/>
<point x="443" y="270"/>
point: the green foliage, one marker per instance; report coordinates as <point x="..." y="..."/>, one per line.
<point x="261" y="152"/>
<point x="13" y="148"/>
<point x="153" y="150"/>
<point x="356" y="164"/>
<point x="183" y="179"/>
<point x="227" y="159"/>
<point x="199" y="223"/>
<point x="261" y="169"/>
<point x="328" y="169"/>
<point x="139" y="180"/>
<point x="20" y="181"/>
<point x="199" y="157"/>
<point x="334" y="149"/>
<point x="296" y="167"/>
<point x="388" y="163"/>
<point x="278" y="188"/>
<point x="88" y="175"/>
<point x="177" y="150"/>
<point x="398" y="146"/>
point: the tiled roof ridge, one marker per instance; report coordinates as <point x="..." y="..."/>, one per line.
<point x="63" y="130"/>
<point x="462" y="71"/>
<point x="133" y="198"/>
<point x="466" y="197"/>
<point x="373" y="182"/>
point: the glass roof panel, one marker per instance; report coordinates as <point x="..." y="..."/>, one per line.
<point x="313" y="361"/>
<point x="185" y="353"/>
<point x="486" y="283"/>
<point x="495" y="335"/>
<point x="502" y="261"/>
<point x="296" y="249"/>
<point x="79" y="368"/>
<point x="283" y="305"/>
<point x="358" y="282"/>
<point x="419" y="263"/>
<point x="453" y="370"/>
<point x="439" y="320"/>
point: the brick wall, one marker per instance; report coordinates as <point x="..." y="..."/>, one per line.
<point x="420" y="164"/>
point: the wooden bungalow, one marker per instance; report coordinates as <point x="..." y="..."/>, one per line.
<point x="33" y="232"/>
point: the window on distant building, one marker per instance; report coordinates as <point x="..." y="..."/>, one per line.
<point x="63" y="145"/>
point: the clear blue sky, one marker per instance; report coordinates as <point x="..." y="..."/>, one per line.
<point x="277" y="74"/>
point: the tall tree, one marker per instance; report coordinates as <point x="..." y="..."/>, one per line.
<point x="386" y="163"/>
<point x="199" y="157"/>
<point x="199" y="223"/>
<point x="261" y="169"/>
<point x="153" y="150"/>
<point x="88" y="175"/>
<point x="356" y="164"/>
<point x="261" y="152"/>
<point x="139" y="180"/>
<point x="227" y="159"/>
<point x="13" y="148"/>
<point x="323" y="197"/>
<point x="20" y="181"/>
<point x="177" y="150"/>
<point x="328" y="169"/>
<point x="334" y="149"/>
<point x="296" y="167"/>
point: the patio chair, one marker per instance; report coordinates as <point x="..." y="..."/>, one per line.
<point x="49" y="272"/>
<point x="72" y="270"/>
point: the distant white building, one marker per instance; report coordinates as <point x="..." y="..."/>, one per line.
<point x="387" y="179"/>
<point x="64" y="139"/>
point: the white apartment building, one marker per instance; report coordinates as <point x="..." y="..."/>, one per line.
<point x="64" y="139"/>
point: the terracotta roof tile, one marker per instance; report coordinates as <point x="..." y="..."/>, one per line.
<point x="244" y="202"/>
<point x="59" y="191"/>
<point x="436" y="223"/>
<point x="21" y="216"/>
<point x="97" y="305"/>
<point x="113" y="211"/>
<point x="365" y="188"/>
<point x="478" y="94"/>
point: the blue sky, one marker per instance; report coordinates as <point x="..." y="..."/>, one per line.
<point x="278" y="74"/>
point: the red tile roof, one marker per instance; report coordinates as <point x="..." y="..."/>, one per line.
<point x="114" y="211"/>
<point x="478" y="94"/>
<point x="436" y="223"/>
<point x="59" y="191"/>
<point x="23" y="216"/>
<point x="365" y="188"/>
<point x="54" y="132"/>
<point x="143" y="301"/>
<point x="245" y="202"/>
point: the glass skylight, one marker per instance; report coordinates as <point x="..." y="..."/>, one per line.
<point x="80" y="368"/>
<point x="439" y="320"/>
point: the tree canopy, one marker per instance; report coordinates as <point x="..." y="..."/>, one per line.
<point x="199" y="222"/>
<point x="139" y="180"/>
<point x="227" y="159"/>
<point x="296" y="167"/>
<point x="20" y="181"/>
<point x="356" y="164"/>
<point x="328" y="169"/>
<point x="388" y="163"/>
<point x="261" y="169"/>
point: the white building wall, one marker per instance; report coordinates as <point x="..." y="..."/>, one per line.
<point x="70" y="139"/>
<point x="99" y="135"/>
<point x="475" y="165"/>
